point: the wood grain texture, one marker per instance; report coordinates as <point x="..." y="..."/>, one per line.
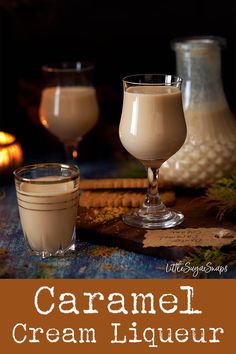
<point x="115" y="233"/>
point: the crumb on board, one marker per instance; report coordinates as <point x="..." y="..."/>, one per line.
<point x="101" y="215"/>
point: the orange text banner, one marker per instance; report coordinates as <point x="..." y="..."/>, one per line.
<point x="114" y="316"/>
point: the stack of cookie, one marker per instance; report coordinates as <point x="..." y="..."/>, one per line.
<point x="119" y="192"/>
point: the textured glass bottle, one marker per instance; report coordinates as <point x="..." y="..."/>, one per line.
<point x="209" y="150"/>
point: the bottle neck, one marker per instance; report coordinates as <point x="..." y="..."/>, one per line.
<point x="205" y="63"/>
<point x="200" y="70"/>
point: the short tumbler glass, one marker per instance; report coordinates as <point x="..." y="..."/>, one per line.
<point x="47" y="196"/>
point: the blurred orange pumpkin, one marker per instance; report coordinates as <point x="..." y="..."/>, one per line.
<point x="11" y="155"/>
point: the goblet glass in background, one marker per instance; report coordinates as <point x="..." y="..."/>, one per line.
<point x="152" y="128"/>
<point x="69" y="107"/>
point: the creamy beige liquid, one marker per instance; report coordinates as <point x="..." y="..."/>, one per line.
<point x="48" y="214"/>
<point x="69" y="112"/>
<point x="152" y="126"/>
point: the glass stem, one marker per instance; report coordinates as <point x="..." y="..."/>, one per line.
<point x="153" y="197"/>
<point x="71" y="147"/>
<point x="153" y="206"/>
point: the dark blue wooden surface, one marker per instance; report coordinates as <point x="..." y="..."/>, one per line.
<point x="88" y="261"/>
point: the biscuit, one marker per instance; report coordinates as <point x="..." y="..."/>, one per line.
<point x="120" y="199"/>
<point x="118" y="183"/>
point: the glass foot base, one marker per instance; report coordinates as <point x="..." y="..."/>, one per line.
<point x="151" y="222"/>
<point x="56" y="252"/>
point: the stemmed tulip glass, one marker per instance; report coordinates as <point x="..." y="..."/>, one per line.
<point x="152" y="129"/>
<point x="69" y="107"/>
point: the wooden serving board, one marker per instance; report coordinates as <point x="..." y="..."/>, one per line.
<point x="200" y="229"/>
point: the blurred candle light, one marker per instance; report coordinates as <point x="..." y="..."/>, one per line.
<point x="11" y="155"/>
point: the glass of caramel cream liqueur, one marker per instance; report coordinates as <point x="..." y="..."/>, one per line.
<point x="69" y="107"/>
<point x="47" y="196"/>
<point x="152" y="129"/>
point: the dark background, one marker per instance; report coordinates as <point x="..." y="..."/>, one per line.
<point x="120" y="37"/>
